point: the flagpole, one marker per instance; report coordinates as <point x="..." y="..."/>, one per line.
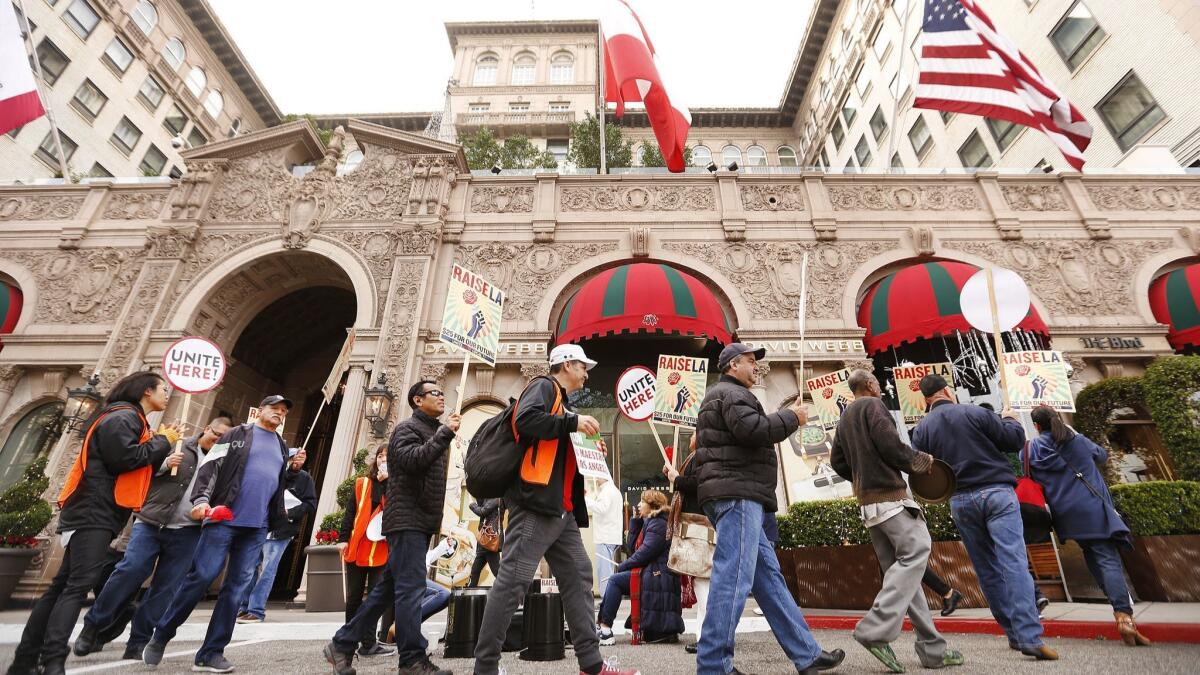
<point x="27" y="34"/>
<point x="603" y="102"/>
<point x="899" y="85"/>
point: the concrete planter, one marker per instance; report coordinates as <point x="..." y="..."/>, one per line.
<point x="326" y="590"/>
<point x="1163" y="569"/>
<point x="13" y="563"/>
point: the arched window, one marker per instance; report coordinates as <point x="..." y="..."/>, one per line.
<point x="756" y="156"/>
<point x="485" y="70"/>
<point x="701" y="155"/>
<point x="196" y="81"/>
<point x="235" y="128"/>
<point x="562" y="69"/>
<point x="174" y="53"/>
<point x="731" y="153"/>
<point x="524" y="67"/>
<point x="145" y="16"/>
<point x="214" y="103"/>
<point x="639" y="155"/>
<point x="787" y="156"/>
<point x="28" y="439"/>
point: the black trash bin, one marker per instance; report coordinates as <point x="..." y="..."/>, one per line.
<point x="543" y="627"/>
<point x="464" y="618"/>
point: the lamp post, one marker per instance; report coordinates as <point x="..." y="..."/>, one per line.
<point x="81" y="403"/>
<point x="378" y="405"/>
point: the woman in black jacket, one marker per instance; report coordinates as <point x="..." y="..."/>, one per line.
<point x="659" y="614"/>
<point x="491" y="514"/>
<point x="94" y="511"/>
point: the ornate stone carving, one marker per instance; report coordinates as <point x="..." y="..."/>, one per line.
<point x="767" y="274"/>
<point x="1191" y="235"/>
<point x="904" y="198"/>
<point x="1034" y="197"/>
<point x="1073" y="277"/>
<point x="532" y="370"/>
<point x="435" y="372"/>
<point x="772" y="197"/>
<point x="922" y="239"/>
<point x="859" y="364"/>
<point x="638" y="198"/>
<point x="502" y="199"/>
<point x="56" y="207"/>
<point x="402" y="315"/>
<point x="418" y="241"/>
<point x="524" y="271"/>
<point x="82" y="285"/>
<point x="209" y="249"/>
<point x="1144" y="197"/>
<point x="378" y="189"/>
<point x="1078" y="364"/>
<point x="10" y="375"/>
<point x="125" y="341"/>
<point x="639" y="242"/>
<point x="134" y="205"/>
<point x="170" y="242"/>
<point x="254" y="189"/>
<point x="188" y="198"/>
<point x="761" y="370"/>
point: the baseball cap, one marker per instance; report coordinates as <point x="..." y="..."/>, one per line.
<point x="565" y="353"/>
<point x="736" y="349"/>
<point x="276" y="398"/>
<point x="932" y="384"/>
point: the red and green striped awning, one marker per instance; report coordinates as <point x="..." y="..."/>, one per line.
<point x="642" y="298"/>
<point x="921" y="301"/>
<point x="1175" y="301"/>
<point x="11" y="300"/>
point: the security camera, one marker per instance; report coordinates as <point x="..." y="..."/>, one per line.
<point x="178" y="142"/>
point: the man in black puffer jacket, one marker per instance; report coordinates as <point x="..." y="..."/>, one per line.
<point x="736" y="469"/>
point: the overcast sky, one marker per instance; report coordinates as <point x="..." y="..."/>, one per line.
<point x="360" y="56"/>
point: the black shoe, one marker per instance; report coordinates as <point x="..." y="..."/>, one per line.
<point x="22" y="669"/>
<point x="55" y="667"/>
<point x="343" y="663"/>
<point x="951" y="603"/>
<point x="825" y="661"/>
<point x="690" y="648"/>
<point x="133" y="652"/>
<point x="88" y="641"/>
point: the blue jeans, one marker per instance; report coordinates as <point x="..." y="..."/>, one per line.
<point x="614" y="592"/>
<point x="243" y="545"/>
<point x="260" y="585"/>
<point x="745" y="561"/>
<point x="434" y="600"/>
<point x="605" y="553"/>
<point x="172" y="549"/>
<point x="989" y="520"/>
<point x="1104" y="562"/>
<point x="403" y="585"/>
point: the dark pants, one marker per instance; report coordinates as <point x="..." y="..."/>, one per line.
<point x="406" y="565"/>
<point x="359" y="582"/>
<point x="616" y="589"/>
<point x="935" y="583"/>
<point x="243" y="545"/>
<point x="54" y="614"/>
<point x="172" y="551"/>
<point x="484" y="557"/>
<point x="1104" y="562"/>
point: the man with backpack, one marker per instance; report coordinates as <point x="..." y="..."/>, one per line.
<point x="546" y="510"/>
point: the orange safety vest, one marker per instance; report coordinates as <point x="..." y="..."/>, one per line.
<point x="362" y="551"/>
<point x="130" y="488"/>
<point x="538" y="464"/>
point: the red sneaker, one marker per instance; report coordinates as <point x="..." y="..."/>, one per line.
<point x="613" y="670"/>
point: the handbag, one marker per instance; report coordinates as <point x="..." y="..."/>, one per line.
<point x="693" y="542"/>
<point x="1029" y="491"/>
<point x="489" y="538"/>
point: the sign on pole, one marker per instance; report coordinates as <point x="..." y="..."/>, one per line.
<point x="908" y="387"/>
<point x="339" y="367"/>
<point x="192" y="365"/>
<point x="588" y="457"/>
<point x="471" y="318"/>
<point x="830" y="394"/>
<point x="995" y="300"/>
<point x="635" y="393"/>
<point x="1038" y="378"/>
<point x="681" y="383"/>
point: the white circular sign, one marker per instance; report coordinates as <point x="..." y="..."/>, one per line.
<point x="375" y="528"/>
<point x="194" y="365"/>
<point x="635" y="393"/>
<point x="1012" y="300"/>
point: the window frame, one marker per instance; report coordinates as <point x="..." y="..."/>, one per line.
<point x="976" y="137"/>
<point x="526" y="63"/>
<point x="139" y="14"/>
<point x="208" y="105"/>
<point x="73" y="22"/>
<point x="927" y="145"/>
<point x="882" y="120"/>
<point x="1074" y="60"/>
<point x="167" y="54"/>
<point x="697" y="158"/>
<point x="1004" y="140"/>
<point x="182" y="115"/>
<point x="45" y="150"/>
<point x="81" y="107"/>
<point x="791" y="156"/>
<point x="837" y="132"/>
<point x="560" y="62"/>
<point x="863" y="143"/>
<point x="121" y="143"/>
<point x="189" y="80"/>
<point x="725" y="161"/>
<point x="493" y="63"/>
<point x="142" y="165"/>
<point x="1117" y="135"/>
<point x="194" y="135"/>
<point x="756" y="149"/>
<point x="112" y="63"/>
<point x="145" y="100"/>
<point x="53" y="50"/>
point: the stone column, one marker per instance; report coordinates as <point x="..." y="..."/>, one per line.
<point x="345" y="443"/>
<point x="10" y="375"/>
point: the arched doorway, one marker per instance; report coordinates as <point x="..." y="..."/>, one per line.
<point x="30" y="437"/>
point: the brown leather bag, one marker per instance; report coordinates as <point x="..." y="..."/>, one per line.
<point x="489" y="538"/>
<point x="693" y="541"/>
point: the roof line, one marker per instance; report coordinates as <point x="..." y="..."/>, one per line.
<point x="222" y="44"/>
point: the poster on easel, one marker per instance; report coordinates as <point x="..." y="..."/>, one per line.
<point x="831" y="395"/>
<point x="1038" y="378"/>
<point x="908" y="387"/>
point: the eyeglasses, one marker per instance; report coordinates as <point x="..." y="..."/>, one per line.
<point x="434" y="392"/>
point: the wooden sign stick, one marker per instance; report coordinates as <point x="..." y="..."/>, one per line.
<point x="991" y="289"/>
<point x="187" y="401"/>
<point x="462" y="383"/>
<point x="654" y="432"/>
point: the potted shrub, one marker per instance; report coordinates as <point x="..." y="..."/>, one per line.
<point x="23" y="514"/>
<point x="1164" y="517"/>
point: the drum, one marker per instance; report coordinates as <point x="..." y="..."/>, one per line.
<point x="464" y="618"/>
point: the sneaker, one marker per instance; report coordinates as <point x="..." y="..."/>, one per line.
<point x="152" y="655"/>
<point x="386" y="639"/>
<point x="424" y="667"/>
<point x="1042" y="603"/>
<point x="217" y="663"/>
<point x="614" y="670"/>
<point x="1041" y="653"/>
<point x="343" y="663"/>
<point x="886" y="656"/>
<point x="952" y="657"/>
<point x="376" y="650"/>
<point x="247" y="617"/>
<point x="607" y="638"/>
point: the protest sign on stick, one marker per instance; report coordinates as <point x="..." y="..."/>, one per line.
<point x="329" y="389"/>
<point x="471" y="320"/>
<point x="681" y="383"/>
<point x="636" y="391"/>
<point x="830" y="394"/>
<point x="1038" y="378"/>
<point x="193" y="365"/>
<point x="908" y="387"/>
<point x="589" y="458"/>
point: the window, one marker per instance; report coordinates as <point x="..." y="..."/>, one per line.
<point x="1129" y="111"/>
<point x="214" y="103"/>
<point x="518" y="107"/>
<point x="478" y="107"/>
<point x="862" y="83"/>
<point x="787" y="156"/>
<point x="49" y="155"/>
<point x="701" y="156"/>
<point x="118" y="56"/>
<point x="562" y="69"/>
<point x="81" y="18"/>
<point x="881" y="44"/>
<point x="862" y="151"/>
<point x="731" y="153"/>
<point x="31" y="437"/>
<point x="558" y="147"/>
<point x="560" y="107"/>
<point x="21" y="19"/>
<point x="896" y="162"/>
<point x="126" y="135"/>
<point x="756" y="156"/>
<point x="196" y="81"/>
<point x="824" y="159"/>
<point x="919" y="136"/>
<point x="879" y="125"/>
<point x="849" y="111"/>
<point x="151" y="93"/>
<point x="1003" y="131"/>
<point x="174" y="53"/>
<point x="54" y="62"/>
<point x="175" y="173"/>
<point x="175" y="120"/>
<point x="974" y="154"/>
<point x="946" y="116"/>
<point x="838" y="133"/>
<point x="639" y="155"/>
<point x="153" y="163"/>
<point x="196" y="138"/>
<point x="145" y="16"/>
<point x="523" y="69"/>
<point x="1077" y="35"/>
<point x="485" y="70"/>
<point x="235" y="128"/>
<point x="89" y="100"/>
<point x="98" y="171"/>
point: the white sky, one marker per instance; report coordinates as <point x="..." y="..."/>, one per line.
<point x="363" y="56"/>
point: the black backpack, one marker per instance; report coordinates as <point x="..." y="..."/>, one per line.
<point x="494" y="455"/>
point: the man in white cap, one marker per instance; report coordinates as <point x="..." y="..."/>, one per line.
<point x="546" y="510"/>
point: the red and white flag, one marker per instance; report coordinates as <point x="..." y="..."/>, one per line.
<point x="19" y="102"/>
<point x="968" y="66"/>
<point x="632" y="74"/>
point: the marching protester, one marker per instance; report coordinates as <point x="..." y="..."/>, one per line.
<point x="1067" y="466"/>
<point x="737" y="475"/>
<point x="365" y="560"/>
<point x="491" y="537"/>
<point x="683" y="483"/>
<point x="868" y="452"/>
<point x="108" y="478"/>
<point x="299" y="485"/>
<point x="606" y="508"/>
<point x="546" y="509"/>
<point x="163" y="541"/>
<point x="950" y="596"/>
<point x="974" y="442"/>
<point x="412" y="514"/>
<point x="657" y="615"/>
<point x="239" y="496"/>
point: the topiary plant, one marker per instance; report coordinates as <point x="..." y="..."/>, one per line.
<point x="1093" y="411"/>
<point x="1156" y="508"/>
<point x="1172" y="390"/>
<point x="23" y="512"/>
<point x="835" y="522"/>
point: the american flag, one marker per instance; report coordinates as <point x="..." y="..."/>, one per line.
<point x="968" y="66"/>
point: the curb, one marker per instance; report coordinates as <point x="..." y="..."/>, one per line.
<point x="1081" y="630"/>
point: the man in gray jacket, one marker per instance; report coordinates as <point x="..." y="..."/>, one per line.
<point x="163" y="533"/>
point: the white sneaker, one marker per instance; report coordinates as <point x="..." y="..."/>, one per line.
<point x="607" y="638"/>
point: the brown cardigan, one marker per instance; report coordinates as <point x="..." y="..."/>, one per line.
<point x="868" y="452"/>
